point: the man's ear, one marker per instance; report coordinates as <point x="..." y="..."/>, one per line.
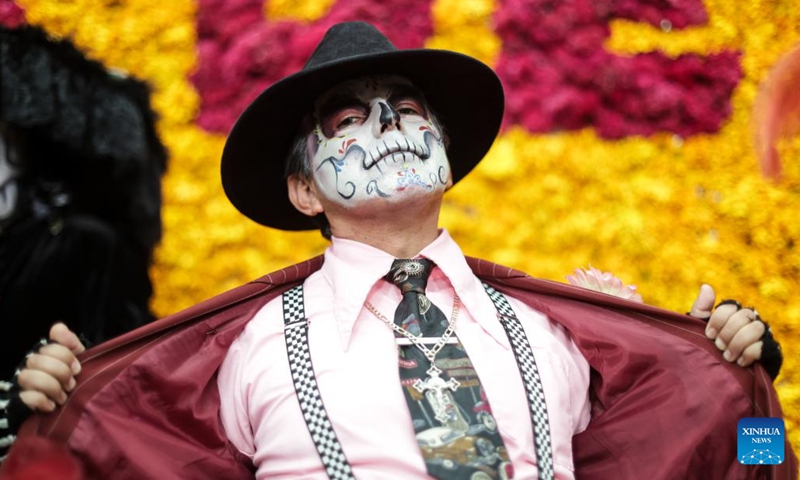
<point x="303" y="196"/>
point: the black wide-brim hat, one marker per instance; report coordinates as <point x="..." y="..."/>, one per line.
<point x="465" y="94"/>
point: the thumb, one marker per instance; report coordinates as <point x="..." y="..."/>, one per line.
<point x="64" y="336"/>
<point x="704" y="303"/>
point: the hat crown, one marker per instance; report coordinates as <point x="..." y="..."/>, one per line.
<point x="348" y="40"/>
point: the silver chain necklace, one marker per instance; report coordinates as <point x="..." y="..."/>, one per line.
<point x="434" y="385"/>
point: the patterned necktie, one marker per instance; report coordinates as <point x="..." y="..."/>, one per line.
<point x="455" y="429"/>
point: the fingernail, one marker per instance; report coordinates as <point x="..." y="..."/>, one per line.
<point x="720" y="344"/>
<point x="711" y="333"/>
<point x="76" y="367"/>
<point x="71" y="384"/>
<point x="727" y="355"/>
<point x="62" y="398"/>
<point x="740" y="361"/>
<point x="50" y="406"/>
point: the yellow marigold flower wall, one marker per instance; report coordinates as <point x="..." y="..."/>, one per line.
<point x="664" y="213"/>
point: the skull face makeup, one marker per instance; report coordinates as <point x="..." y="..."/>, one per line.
<point x="375" y="138"/>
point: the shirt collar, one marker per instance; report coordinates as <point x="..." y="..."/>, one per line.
<point x="352" y="268"/>
<point x="447" y="255"/>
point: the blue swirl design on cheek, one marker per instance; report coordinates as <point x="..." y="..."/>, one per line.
<point x="355" y="154"/>
<point x="372" y="187"/>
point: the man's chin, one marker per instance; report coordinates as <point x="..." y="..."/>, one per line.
<point x="394" y="196"/>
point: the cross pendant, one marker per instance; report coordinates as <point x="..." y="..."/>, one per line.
<point x="434" y="389"/>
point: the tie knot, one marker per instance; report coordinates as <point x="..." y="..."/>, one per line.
<point x="410" y="275"/>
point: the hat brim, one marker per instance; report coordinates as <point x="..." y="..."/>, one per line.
<point x="466" y="95"/>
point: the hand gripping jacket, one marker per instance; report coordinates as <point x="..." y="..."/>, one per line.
<point x="665" y="405"/>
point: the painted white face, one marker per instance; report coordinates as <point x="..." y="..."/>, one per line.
<point x="375" y="138"/>
<point x="9" y="171"/>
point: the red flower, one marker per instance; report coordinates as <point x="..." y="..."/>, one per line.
<point x="11" y="14"/>
<point x="557" y="74"/>
<point x="241" y="54"/>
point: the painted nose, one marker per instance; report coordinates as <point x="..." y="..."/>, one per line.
<point x="389" y="117"/>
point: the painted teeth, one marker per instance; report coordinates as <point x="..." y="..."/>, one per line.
<point x="383" y="151"/>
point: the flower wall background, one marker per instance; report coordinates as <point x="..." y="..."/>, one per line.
<point x="627" y="142"/>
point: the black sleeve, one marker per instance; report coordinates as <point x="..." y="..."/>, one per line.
<point x="13" y="411"/>
<point x="771" y="353"/>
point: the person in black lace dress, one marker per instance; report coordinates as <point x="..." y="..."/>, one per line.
<point x="80" y="199"/>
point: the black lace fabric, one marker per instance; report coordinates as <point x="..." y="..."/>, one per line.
<point x="79" y="244"/>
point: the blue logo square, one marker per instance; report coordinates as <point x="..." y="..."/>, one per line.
<point x="761" y="441"/>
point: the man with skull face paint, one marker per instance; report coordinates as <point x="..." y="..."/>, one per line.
<point x="374" y="146"/>
<point x="371" y="163"/>
<point x="390" y="119"/>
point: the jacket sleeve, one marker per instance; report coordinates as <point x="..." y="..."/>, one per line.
<point x="771" y="353"/>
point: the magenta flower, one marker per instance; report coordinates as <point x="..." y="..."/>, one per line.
<point x="604" y="282"/>
<point x="11" y="15"/>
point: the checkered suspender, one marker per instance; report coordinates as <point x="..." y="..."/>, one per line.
<point x="328" y="446"/>
<point x="295" y="329"/>
<point x="530" y="377"/>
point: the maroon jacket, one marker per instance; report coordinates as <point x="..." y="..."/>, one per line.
<point x="665" y="405"/>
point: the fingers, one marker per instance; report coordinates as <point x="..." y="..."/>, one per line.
<point x="59" y="333"/>
<point x="49" y="374"/>
<point x="751" y="354"/>
<point x="37" y="401"/>
<point x="739" y="335"/>
<point x="743" y="341"/>
<point x="734" y="323"/>
<point x="53" y="361"/>
<point x="702" y="306"/>
<point x="41" y="390"/>
<point x="719" y="319"/>
<point x="736" y="331"/>
<point x="65" y="337"/>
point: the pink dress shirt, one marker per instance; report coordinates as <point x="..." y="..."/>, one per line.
<point x="355" y="358"/>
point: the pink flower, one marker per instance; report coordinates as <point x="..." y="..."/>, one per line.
<point x="604" y="282"/>
<point x="11" y="15"/>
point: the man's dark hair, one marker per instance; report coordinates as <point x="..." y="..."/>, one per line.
<point x="298" y="164"/>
